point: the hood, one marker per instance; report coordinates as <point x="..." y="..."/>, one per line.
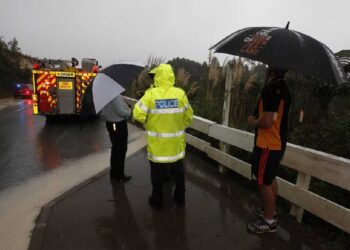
<point x="163" y="75"/>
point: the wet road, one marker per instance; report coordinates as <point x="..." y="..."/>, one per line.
<point x="108" y="215"/>
<point x="30" y="146"/>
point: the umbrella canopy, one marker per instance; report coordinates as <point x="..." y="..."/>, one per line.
<point x="286" y="49"/>
<point x="109" y="83"/>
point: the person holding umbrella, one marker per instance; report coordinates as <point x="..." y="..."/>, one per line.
<point x="165" y="112"/>
<point x="285" y="49"/>
<point x="271" y="124"/>
<point x="116" y="113"/>
<point x="103" y="96"/>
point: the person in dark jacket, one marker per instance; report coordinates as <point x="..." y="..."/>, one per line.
<point x="116" y="114"/>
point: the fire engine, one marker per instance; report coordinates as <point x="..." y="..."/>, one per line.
<point x="58" y="86"/>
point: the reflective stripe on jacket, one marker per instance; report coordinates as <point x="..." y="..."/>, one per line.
<point x="166" y="113"/>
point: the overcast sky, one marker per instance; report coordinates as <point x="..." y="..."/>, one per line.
<point x="111" y="30"/>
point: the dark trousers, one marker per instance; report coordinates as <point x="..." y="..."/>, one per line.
<point x="159" y="172"/>
<point x="118" y="133"/>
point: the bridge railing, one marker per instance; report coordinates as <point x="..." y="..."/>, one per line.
<point x="307" y="162"/>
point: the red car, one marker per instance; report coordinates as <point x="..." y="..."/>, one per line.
<point x="22" y="90"/>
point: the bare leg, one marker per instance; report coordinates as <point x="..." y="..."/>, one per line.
<point x="275" y="187"/>
<point x="268" y="194"/>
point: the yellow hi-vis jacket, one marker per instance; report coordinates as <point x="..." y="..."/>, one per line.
<point x="166" y="113"/>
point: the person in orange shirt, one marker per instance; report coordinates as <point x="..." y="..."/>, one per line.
<point x="271" y="124"/>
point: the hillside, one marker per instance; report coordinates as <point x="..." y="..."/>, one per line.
<point x="14" y="66"/>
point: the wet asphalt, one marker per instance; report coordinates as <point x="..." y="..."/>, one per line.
<point x="30" y="146"/>
<point x="101" y="214"/>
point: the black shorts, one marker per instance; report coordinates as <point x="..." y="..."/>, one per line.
<point x="264" y="164"/>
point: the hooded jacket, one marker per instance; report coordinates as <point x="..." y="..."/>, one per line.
<point x="166" y="113"/>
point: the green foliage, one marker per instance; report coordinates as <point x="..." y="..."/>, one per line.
<point x="197" y="71"/>
<point x="343" y="53"/>
<point x="11" y="70"/>
<point x="143" y="81"/>
<point x="330" y="134"/>
<point x="205" y="93"/>
<point x="205" y="86"/>
<point x="247" y="81"/>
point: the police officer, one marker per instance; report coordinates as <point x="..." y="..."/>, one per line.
<point x="166" y="113"/>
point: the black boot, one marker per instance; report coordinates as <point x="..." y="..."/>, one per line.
<point x="179" y="198"/>
<point x="155" y="202"/>
<point x="122" y="179"/>
<point x="125" y="178"/>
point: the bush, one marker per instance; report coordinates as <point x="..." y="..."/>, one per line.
<point x="331" y="135"/>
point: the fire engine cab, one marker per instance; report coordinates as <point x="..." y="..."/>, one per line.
<point x="58" y="86"/>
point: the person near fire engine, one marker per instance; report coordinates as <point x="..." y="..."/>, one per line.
<point x="271" y="125"/>
<point x="116" y="113"/>
<point x="165" y="112"/>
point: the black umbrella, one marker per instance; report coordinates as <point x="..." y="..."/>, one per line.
<point x="286" y="49"/>
<point x="109" y="83"/>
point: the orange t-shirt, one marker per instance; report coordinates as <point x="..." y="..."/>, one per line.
<point x="275" y="97"/>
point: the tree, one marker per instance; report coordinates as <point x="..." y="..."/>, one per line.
<point x="182" y="80"/>
<point x="143" y="81"/>
<point x="13" y="46"/>
<point x="247" y="81"/>
<point x="10" y="66"/>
